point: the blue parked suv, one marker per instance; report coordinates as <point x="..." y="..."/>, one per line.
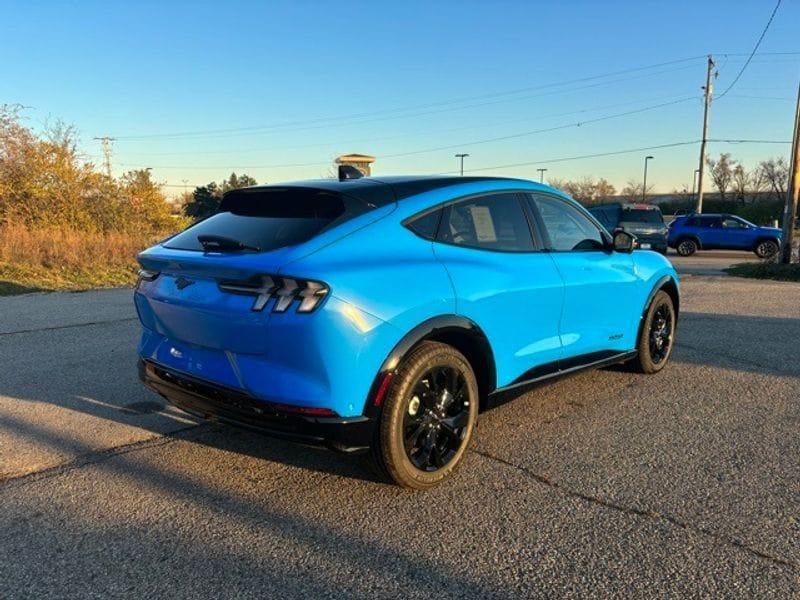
<point x="690" y="233"/>
<point x="382" y="314"/>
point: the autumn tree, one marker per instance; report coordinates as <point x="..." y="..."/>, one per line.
<point x="587" y="190"/>
<point x="46" y="183"/>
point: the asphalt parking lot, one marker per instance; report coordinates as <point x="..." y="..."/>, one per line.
<point x="686" y="483"/>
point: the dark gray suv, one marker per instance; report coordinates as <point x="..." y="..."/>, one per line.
<point x="642" y="220"/>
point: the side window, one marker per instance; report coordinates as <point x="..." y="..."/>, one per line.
<point x="568" y="228"/>
<point x="491" y="222"/>
<point x="426" y="225"/>
<point x="733" y="224"/>
<point x="709" y="222"/>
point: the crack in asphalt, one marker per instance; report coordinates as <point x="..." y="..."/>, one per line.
<point x="90" y="458"/>
<point x="633" y="511"/>
<point x="72" y="326"/>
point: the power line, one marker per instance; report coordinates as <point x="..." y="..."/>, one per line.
<point x="537" y="131"/>
<point x="347" y="120"/>
<point x="751" y="141"/>
<point x="582" y="157"/>
<point x="341" y="123"/>
<point x="450" y="146"/>
<point x="586" y="156"/>
<point x="412" y="107"/>
<point x="761" y="97"/>
<point x="405" y="134"/>
<point x="749" y="58"/>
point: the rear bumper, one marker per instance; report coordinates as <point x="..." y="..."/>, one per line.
<point x="215" y="402"/>
<point x="656" y="242"/>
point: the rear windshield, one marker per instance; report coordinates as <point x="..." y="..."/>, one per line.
<point x="607" y="215"/>
<point x="266" y="219"/>
<point x="637" y="215"/>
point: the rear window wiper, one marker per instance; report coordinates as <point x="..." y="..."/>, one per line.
<point x="220" y="243"/>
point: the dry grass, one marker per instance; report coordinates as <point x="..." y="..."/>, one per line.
<point x="65" y="259"/>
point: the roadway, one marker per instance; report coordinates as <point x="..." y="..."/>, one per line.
<point x="607" y="483"/>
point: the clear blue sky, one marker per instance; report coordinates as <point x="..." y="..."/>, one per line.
<point x="130" y="69"/>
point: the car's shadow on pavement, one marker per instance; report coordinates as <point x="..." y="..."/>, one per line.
<point x="113" y="394"/>
<point x="229" y="438"/>
<point x="738" y="342"/>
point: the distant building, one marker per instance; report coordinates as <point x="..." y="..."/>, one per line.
<point x="361" y="162"/>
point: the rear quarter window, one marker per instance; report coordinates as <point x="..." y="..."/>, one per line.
<point x="426" y="225"/>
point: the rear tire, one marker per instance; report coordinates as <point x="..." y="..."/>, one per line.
<point x="766" y="249"/>
<point x="428" y="417"/>
<point x="686" y="247"/>
<point x="657" y="335"/>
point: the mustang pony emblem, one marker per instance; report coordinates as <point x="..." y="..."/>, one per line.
<point x="182" y="283"/>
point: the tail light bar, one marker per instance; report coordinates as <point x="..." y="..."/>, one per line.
<point x="285" y="290"/>
<point x="146" y="275"/>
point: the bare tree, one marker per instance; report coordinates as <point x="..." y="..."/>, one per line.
<point x="721" y="172"/>
<point x="740" y="182"/>
<point x="559" y="184"/>
<point x="775" y="173"/>
<point x="633" y="190"/>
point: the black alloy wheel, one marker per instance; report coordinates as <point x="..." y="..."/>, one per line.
<point x="435" y="423"/>
<point x="656" y="335"/>
<point x="427" y="417"/>
<point x="660" y="338"/>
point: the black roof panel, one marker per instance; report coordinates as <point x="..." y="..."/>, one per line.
<point x="379" y="191"/>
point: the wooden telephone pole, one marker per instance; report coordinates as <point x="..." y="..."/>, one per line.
<point x="709" y="90"/>
<point x="792" y="190"/>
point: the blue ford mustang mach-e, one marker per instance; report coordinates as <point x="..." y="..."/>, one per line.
<point x="382" y="314"/>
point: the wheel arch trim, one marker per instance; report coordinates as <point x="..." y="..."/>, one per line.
<point x="662" y="283"/>
<point x="437" y="328"/>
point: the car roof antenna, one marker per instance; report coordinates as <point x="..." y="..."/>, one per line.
<point x="349" y="172"/>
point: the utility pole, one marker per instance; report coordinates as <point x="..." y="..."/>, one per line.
<point x="462" y="157"/>
<point x="185" y="185"/>
<point x="694" y="184"/>
<point x="106" y="141"/>
<point x="792" y="190"/>
<point x="644" y="183"/>
<point x="541" y="175"/>
<point x="709" y="91"/>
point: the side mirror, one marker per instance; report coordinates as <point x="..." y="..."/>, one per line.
<point x="623" y="241"/>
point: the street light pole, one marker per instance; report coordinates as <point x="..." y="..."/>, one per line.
<point x="644" y="185"/>
<point x="462" y="157"/>
<point x="541" y="175"/>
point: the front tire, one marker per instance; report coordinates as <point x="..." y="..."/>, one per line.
<point x="657" y="335"/>
<point x="766" y="249"/>
<point x="428" y="417"/>
<point x="686" y="247"/>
